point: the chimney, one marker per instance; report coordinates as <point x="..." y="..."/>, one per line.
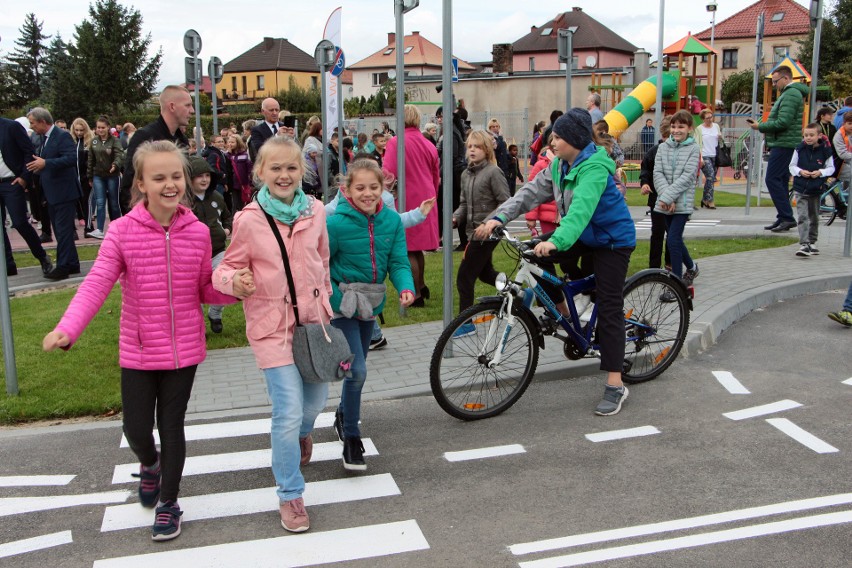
<point x="501" y="54"/>
<point x="415" y="33"/>
<point x="391" y="38"/>
<point x="268" y="42"/>
<point x="532" y="29"/>
<point x="577" y="9"/>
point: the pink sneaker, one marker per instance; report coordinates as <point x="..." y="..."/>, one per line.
<point x="294" y="518"/>
<point x="306" y="446"/>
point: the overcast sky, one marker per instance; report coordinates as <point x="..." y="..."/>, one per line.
<point x="229" y="28"/>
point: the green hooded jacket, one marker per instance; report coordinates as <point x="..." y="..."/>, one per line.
<point x="783" y="127"/>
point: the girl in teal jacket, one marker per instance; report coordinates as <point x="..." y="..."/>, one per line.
<point x="366" y="245"/>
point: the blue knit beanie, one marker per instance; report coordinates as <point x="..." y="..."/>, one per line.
<point x="575" y="127"/>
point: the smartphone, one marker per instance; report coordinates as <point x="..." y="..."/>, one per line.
<point x="290" y="121"/>
<point x="750" y="120"/>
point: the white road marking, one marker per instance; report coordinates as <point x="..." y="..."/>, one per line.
<point x="18" y="505"/>
<point x="653" y="547"/>
<point x="779" y="406"/>
<point x="261" y="500"/>
<point x="621" y="434"/>
<point x="802" y="436"/>
<point x="479" y="453"/>
<point x="35" y="543"/>
<point x="240" y="461"/>
<point x="235" y="429"/>
<point x="681" y="524"/>
<point x="847" y="382"/>
<point x="731" y="384"/>
<point x="285" y="552"/>
<point x="34" y="480"/>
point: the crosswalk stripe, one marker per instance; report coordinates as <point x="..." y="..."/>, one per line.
<point x="18" y="505"/>
<point x="622" y="434"/>
<point x="36" y="543"/>
<point x="764" y="409"/>
<point x="240" y="461"/>
<point x="290" y="551"/>
<point x="234" y="429"/>
<point x="802" y="436"/>
<point x="234" y="503"/>
<point x="730" y="382"/>
<point x="480" y="453"/>
<point x="35" y="480"/>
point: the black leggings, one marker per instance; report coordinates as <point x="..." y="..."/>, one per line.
<point x="167" y="392"/>
<point x="475" y="264"/>
<point x="610" y="270"/>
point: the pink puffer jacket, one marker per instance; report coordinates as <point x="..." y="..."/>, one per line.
<point x="164" y="277"/>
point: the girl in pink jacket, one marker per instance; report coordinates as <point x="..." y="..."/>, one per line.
<point x="160" y="253"/>
<point x="270" y="321"/>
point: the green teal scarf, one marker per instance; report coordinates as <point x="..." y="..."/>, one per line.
<point x="281" y="211"/>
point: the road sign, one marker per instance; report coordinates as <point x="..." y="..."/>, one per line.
<point x="192" y="42"/>
<point x="455" y="70"/>
<point x="339" y="63"/>
<point x="192" y="69"/>
<point x="324" y="54"/>
<point x="215" y="69"/>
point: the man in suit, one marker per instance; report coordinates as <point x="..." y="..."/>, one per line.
<point x="56" y="163"/>
<point x="175" y="109"/>
<point x="270" y="127"/>
<point x="15" y="150"/>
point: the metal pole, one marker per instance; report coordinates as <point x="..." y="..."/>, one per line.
<point x="569" y="39"/>
<point x="658" y="111"/>
<point x="447" y="174"/>
<point x="752" y="159"/>
<point x="8" y="340"/>
<point x="340" y="129"/>
<point x="215" y="112"/>
<point x="198" y="73"/>
<point x="713" y="31"/>
<point x="324" y="167"/>
<point x="815" y="61"/>
<point x="400" y="105"/>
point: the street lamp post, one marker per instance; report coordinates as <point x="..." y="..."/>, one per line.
<point x="565" y="52"/>
<point x="711" y="7"/>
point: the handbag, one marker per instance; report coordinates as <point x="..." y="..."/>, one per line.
<point x="723" y="155"/>
<point x="321" y="352"/>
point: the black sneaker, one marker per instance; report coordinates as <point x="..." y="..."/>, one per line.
<point x="167" y="521"/>
<point x="353" y="455"/>
<point x="338" y="424"/>
<point x="378" y="343"/>
<point x="216" y="325"/>
<point x="149" y="485"/>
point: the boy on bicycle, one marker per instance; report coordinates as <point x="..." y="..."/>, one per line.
<point x="810" y="166"/>
<point x="594" y="219"/>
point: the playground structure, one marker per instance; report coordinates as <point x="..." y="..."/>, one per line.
<point x="800" y="74"/>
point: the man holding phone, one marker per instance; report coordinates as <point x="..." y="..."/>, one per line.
<point x="783" y="131"/>
<point x="270" y="127"/>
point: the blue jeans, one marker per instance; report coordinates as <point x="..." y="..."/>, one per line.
<point x="847" y="303"/>
<point x="106" y="189"/>
<point x="358" y="333"/>
<point x="295" y="406"/>
<point x="377" y="331"/>
<point x="214" y="312"/>
<point x="675" y="245"/>
<point x="778" y="182"/>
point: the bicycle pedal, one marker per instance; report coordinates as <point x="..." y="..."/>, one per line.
<point x="548" y="325"/>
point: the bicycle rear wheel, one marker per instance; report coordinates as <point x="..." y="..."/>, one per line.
<point x="828" y="205"/>
<point x="463" y="383"/>
<point x="656" y="318"/>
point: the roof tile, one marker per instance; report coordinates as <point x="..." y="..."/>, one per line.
<point x="423" y="53"/>
<point x="743" y="24"/>
<point x="590" y="34"/>
<point x="273" y="54"/>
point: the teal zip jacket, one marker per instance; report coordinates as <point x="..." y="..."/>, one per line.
<point x="598" y="215"/>
<point x="367" y="248"/>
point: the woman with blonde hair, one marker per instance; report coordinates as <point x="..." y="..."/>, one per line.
<point x="82" y="136"/>
<point x="421" y="183"/>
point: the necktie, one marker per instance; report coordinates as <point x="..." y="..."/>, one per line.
<point x="41" y="147"/>
<point x="274" y="130"/>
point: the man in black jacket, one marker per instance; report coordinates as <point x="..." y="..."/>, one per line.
<point x="268" y="128"/>
<point x="175" y="109"/>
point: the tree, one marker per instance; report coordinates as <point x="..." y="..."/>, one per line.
<point x="737" y="87"/>
<point x="835" y="52"/>
<point x="110" y="59"/>
<point x="28" y="60"/>
<point x="57" y="83"/>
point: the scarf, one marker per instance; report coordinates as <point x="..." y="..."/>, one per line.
<point x="281" y="211"/>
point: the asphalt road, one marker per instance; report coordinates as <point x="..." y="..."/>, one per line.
<point x="703" y="490"/>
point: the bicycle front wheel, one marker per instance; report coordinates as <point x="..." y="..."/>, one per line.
<point x="656" y="319"/>
<point x="463" y="379"/>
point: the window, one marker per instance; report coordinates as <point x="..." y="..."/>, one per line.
<point x="779" y="53"/>
<point x="777" y="16"/>
<point x="261" y="83"/>
<point x="388" y="51"/>
<point x="408" y="49"/>
<point x="234" y="83"/>
<point x="245" y="88"/>
<point x="379" y="79"/>
<point x="575" y="64"/>
<point x="314" y="83"/>
<point x="546" y="31"/>
<point x="532" y="63"/>
<point x="729" y="58"/>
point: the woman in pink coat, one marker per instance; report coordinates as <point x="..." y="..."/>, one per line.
<point x="421" y="183"/>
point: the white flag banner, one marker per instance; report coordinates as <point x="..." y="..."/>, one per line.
<point x="332" y="83"/>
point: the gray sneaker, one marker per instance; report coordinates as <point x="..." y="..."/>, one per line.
<point x="613" y="398"/>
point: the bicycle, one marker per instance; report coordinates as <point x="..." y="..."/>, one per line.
<point x="483" y="374"/>
<point x="833" y="201"/>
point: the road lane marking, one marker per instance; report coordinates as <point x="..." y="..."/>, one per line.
<point x="802" y="436"/>
<point x="307" y="549"/>
<point x="731" y="384"/>
<point x="235" y="429"/>
<point x="691" y="541"/>
<point x="481" y="453"/>
<point x="239" y="461"/>
<point x="621" y="434"/>
<point x="35" y="480"/>
<point x="779" y="406"/>
<point x="35" y="543"/>
<point x="848" y="382"/>
<point x="233" y="503"/>
<point x="18" y="505"/>
<point x="681" y="524"/>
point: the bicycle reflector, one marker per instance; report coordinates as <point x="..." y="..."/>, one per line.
<point x="501" y="281"/>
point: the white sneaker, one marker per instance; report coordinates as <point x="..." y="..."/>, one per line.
<point x="96" y="234"/>
<point x="804" y="250"/>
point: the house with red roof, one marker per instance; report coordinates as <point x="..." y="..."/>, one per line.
<point x="594" y="45"/>
<point x="785" y="23"/>
<point x="420" y="57"/>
